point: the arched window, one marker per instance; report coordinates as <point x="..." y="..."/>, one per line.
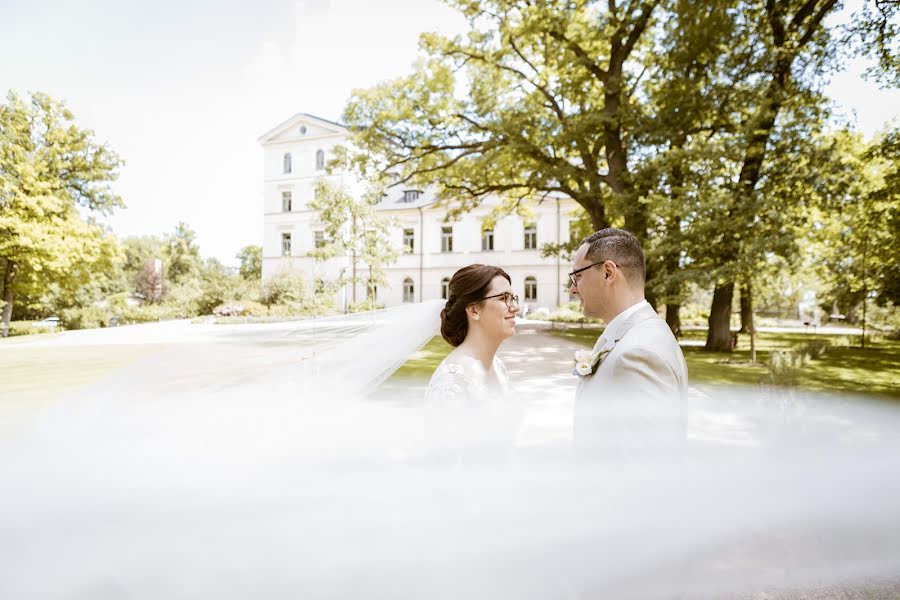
<point x="287" y="163"/>
<point x="445" y="288"/>
<point x="320" y="160"/>
<point x="530" y="288"/>
<point x="409" y="290"/>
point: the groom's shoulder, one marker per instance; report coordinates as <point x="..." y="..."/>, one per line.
<point x="652" y="332"/>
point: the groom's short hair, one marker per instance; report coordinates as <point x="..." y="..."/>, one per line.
<point x="621" y="247"/>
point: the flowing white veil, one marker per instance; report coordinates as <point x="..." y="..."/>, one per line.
<point x="251" y="461"/>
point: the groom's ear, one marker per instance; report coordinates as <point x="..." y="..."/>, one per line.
<point x="608" y="270"/>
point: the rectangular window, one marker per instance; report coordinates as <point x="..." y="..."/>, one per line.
<point x="487" y="239"/>
<point x="285" y="244"/>
<point x="409" y="290"/>
<point x="409" y="241"/>
<point x="319" y="240"/>
<point x="446" y="239"/>
<point x="531" y="236"/>
<point x="410" y="195"/>
<point x="286" y="201"/>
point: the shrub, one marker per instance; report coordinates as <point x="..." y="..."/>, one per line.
<point x="229" y="309"/>
<point x="26" y="328"/>
<point x="184" y="300"/>
<point x="245" y="308"/>
<point x="364" y="306"/>
<point x="284" y="288"/>
<point x="145" y="314"/>
<point x="814" y="349"/>
<point x="570" y="313"/>
<point x="784" y="367"/>
<point x="84" y="317"/>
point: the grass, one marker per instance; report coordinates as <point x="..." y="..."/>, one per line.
<point x="841" y="369"/>
<point x="32" y="377"/>
<point x="423" y="363"/>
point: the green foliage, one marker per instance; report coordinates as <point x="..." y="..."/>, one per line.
<point x="184" y="300"/>
<point x="286" y="288"/>
<point x="147" y="313"/>
<point x="354" y="228"/>
<point x="570" y="313"/>
<point x="875" y="31"/>
<point x="181" y="254"/>
<point x="245" y="308"/>
<point x="536" y="99"/>
<point x="85" y="317"/>
<point x="251" y="262"/>
<point x="27" y="328"/>
<point x="363" y="306"/>
<point x="49" y="169"/>
<point x="784" y="367"/>
<point x="814" y="349"/>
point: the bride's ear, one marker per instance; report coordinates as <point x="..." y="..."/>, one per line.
<point x="472" y="311"/>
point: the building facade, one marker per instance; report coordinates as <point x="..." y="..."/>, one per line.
<point x="431" y="250"/>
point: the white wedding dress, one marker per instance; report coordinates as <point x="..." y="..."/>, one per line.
<point x="468" y="407"/>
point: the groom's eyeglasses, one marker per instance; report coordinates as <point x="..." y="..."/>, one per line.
<point x="511" y="300"/>
<point x="574" y="276"/>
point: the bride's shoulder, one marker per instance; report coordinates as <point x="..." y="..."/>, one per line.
<point x="451" y="380"/>
<point x="456" y="364"/>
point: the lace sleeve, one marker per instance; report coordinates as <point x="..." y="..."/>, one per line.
<point x="449" y="387"/>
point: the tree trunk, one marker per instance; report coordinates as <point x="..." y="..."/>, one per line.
<point x="718" y="338"/>
<point x="748" y="319"/>
<point x="673" y="318"/>
<point x="596" y="211"/>
<point x="746" y="309"/>
<point x="8" y="297"/>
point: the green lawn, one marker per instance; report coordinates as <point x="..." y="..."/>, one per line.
<point x="875" y="370"/>
<point x="34" y="374"/>
<point x="423" y="363"/>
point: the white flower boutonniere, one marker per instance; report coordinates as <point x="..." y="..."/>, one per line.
<point x="586" y="363"/>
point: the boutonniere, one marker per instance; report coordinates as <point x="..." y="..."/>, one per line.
<point x="586" y="362"/>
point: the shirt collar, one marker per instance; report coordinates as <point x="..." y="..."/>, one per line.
<point x="621" y="318"/>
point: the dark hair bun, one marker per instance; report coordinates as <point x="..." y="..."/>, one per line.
<point x="467" y="286"/>
<point x="454" y="323"/>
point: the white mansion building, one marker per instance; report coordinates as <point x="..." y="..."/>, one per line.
<point x="296" y="152"/>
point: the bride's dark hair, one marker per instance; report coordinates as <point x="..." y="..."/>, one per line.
<point x="467" y="286"/>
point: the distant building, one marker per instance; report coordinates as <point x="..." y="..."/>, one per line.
<point x="296" y="153"/>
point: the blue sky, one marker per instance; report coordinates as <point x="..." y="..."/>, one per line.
<point x="182" y="89"/>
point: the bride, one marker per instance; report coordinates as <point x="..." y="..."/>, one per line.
<point x="469" y="399"/>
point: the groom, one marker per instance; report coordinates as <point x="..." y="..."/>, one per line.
<point x="634" y="402"/>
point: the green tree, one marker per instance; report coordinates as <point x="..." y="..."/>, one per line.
<point x="354" y="229"/>
<point x="536" y="98"/>
<point x="251" y="262"/>
<point x="792" y="46"/>
<point x="50" y="171"/>
<point x="181" y="254"/>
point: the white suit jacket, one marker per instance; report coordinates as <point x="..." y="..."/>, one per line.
<point x="635" y="403"/>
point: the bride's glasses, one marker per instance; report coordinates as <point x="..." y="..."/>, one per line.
<point x="511" y="300"/>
